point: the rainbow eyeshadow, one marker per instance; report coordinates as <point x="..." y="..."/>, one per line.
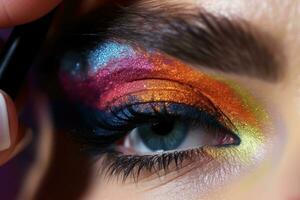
<point x="118" y="74"/>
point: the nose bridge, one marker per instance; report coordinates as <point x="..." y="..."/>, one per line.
<point x="286" y="180"/>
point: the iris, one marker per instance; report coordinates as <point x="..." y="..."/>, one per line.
<point x="163" y="136"/>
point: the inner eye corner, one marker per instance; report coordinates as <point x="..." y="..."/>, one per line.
<point x="234" y="140"/>
<point x="238" y="140"/>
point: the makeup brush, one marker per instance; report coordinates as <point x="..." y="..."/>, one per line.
<point x="19" y="53"/>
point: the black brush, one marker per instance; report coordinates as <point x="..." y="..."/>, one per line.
<point x="19" y="53"/>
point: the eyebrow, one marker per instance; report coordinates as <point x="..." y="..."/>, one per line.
<point x="230" y="45"/>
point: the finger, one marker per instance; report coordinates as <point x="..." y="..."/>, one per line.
<point x="14" y="12"/>
<point x="9" y="135"/>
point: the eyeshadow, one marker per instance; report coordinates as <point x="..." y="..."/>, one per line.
<point x="119" y="73"/>
<point x="105" y="53"/>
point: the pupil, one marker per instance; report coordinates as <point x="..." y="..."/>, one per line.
<point x="162" y="128"/>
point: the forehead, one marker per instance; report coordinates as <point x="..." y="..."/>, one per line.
<point x="281" y="18"/>
<point x="277" y="16"/>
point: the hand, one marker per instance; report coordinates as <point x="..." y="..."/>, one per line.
<point x="14" y="12"/>
<point x="10" y="139"/>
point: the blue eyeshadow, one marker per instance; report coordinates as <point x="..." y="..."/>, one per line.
<point x="107" y="52"/>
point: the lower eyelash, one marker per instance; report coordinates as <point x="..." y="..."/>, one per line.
<point x="121" y="167"/>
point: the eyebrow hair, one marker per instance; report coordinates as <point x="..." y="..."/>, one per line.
<point x="230" y="45"/>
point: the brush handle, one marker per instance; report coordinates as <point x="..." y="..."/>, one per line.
<point x="19" y="53"/>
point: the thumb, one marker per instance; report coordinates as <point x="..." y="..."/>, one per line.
<point x="10" y="138"/>
<point x="14" y="12"/>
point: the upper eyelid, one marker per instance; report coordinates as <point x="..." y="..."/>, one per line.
<point x="141" y="69"/>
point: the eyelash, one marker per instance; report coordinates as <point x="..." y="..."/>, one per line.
<point x="123" y="167"/>
<point x="105" y="134"/>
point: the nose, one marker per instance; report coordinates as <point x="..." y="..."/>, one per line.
<point x="286" y="179"/>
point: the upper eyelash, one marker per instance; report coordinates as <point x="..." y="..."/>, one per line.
<point x="87" y="134"/>
<point x="211" y="108"/>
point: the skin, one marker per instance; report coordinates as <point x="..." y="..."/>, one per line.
<point x="16" y="12"/>
<point x="279" y="177"/>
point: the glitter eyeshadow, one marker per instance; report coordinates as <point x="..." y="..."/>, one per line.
<point x="104" y="53"/>
<point x="119" y="73"/>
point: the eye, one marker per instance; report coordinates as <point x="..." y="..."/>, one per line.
<point x="171" y="135"/>
<point x="166" y="136"/>
<point x="143" y="112"/>
<point x="162" y="127"/>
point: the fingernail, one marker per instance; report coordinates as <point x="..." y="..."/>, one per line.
<point x="4" y="125"/>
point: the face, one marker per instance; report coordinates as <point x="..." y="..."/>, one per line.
<point x="189" y="100"/>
